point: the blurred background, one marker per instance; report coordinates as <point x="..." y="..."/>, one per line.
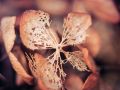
<point x="103" y="42"/>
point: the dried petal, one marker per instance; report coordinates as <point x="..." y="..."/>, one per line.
<point x="35" y="30"/>
<point x="76" y="60"/>
<point x="8" y="32"/>
<point x="36" y="34"/>
<point x="19" y="69"/>
<point x="20" y="56"/>
<point x="45" y="71"/>
<point x="74" y="82"/>
<point x="103" y="9"/>
<point x="91" y="82"/>
<point x="88" y="60"/>
<point x="75" y="26"/>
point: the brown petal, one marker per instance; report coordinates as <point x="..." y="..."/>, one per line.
<point x="19" y="69"/>
<point x="54" y="7"/>
<point x="88" y="60"/>
<point x="75" y="26"/>
<point x="8" y="32"/>
<point x="91" y="82"/>
<point x="93" y="42"/>
<point x="103" y="9"/>
<point x="44" y="72"/>
<point x="35" y="31"/>
<point x="73" y="82"/>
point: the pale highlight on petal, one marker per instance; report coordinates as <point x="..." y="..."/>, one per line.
<point x="8" y="32"/>
<point x="75" y="26"/>
<point x="76" y="60"/>
<point x="35" y="30"/>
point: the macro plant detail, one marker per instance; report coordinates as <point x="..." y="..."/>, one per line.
<point x="36" y="35"/>
<point x="43" y="37"/>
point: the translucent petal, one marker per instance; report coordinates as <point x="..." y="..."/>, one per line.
<point x="35" y="30"/>
<point x="76" y="60"/>
<point x="75" y="26"/>
<point x="44" y="70"/>
<point x="8" y="32"/>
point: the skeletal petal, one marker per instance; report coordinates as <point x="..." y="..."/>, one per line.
<point x="75" y="26"/>
<point x="76" y="60"/>
<point x="88" y="59"/>
<point x="91" y="82"/>
<point x="35" y="30"/>
<point x="44" y="71"/>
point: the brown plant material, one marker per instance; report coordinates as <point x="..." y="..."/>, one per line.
<point x="36" y="34"/>
<point x="91" y="82"/>
<point x="54" y="7"/>
<point x="8" y="33"/>
<point x="101" y="9"/>
<point x="88" y="60"/>
<point x="93" y="42"/>
<point x="21" y="58"/>
<point x="39" y="35"/>
<point x="74" y="82"/>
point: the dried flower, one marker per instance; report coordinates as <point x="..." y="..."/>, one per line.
<point x="36" y="33"/>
